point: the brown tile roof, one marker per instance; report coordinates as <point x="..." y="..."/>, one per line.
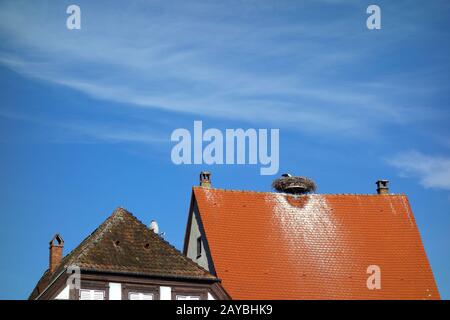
<point x="278" y="246"/>
<point x="124" y="244"/>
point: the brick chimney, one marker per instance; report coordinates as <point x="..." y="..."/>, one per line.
<point x="205" y="179"/>
<point x="382" y="186"/>
<point x="56" y="252"/>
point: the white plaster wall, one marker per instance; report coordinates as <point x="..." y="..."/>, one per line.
<point x="115" y="291"/>
<point x="192" y="245"/>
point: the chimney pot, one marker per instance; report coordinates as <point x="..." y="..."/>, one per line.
<point x="205" y="179"/>
<point x="56" y="252"/>
<point x="382" y="186"/>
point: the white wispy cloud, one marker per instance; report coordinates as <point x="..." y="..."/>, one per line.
<point x="88" y="132"/>
<point x="209" y="60"/>
<point x="432" y="171"/>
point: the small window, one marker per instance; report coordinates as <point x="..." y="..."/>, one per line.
<point x="140" y="296"/>
<point x="199" y="247"/>
<point x="86" y="294"/>
<point x="183" y="297"/>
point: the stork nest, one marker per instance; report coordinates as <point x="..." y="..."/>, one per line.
<point x="295" y="185"/>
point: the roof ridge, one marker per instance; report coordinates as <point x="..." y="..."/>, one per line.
<point x="289" y="194"/>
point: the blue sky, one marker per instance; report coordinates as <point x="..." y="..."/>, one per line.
<point x="86" y="115"/>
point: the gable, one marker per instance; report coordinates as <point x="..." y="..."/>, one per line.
<point x="195" y="236"/>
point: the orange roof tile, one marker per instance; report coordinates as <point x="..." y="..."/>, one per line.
<point x="278" y="246"/>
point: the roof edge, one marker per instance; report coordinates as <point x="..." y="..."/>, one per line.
<point x="301" y="195"/>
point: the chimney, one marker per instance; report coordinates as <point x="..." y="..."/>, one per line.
<point x="205" y="179"/>
<point x="382" y="186"/>
<point x="56" y="252"/>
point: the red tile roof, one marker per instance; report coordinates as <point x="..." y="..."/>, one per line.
<point x="278" y="246"/>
